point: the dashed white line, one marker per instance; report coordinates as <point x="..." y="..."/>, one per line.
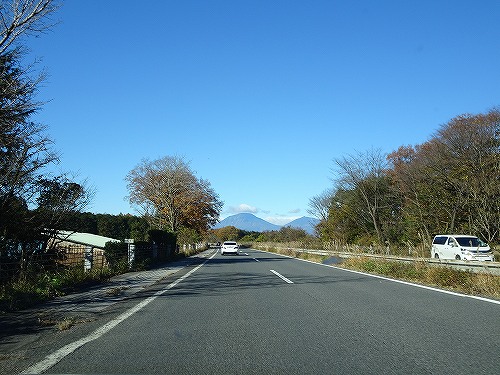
<point x="282" y="277"/>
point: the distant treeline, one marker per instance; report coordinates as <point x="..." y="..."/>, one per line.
<point x="284" y="234"/>
<point x="120" y="226"/>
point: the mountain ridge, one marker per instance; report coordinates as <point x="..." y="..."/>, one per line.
<point x="250" y="222"/>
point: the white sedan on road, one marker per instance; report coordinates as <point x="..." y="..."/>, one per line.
<point x="229" y="247"/>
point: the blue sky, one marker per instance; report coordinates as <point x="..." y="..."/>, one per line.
<point x="259" y="96"/>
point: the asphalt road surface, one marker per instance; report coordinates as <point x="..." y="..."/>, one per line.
<point x="261" y="313"/>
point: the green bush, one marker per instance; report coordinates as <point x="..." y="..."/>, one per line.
<point x="116" y="254"/>
<point x="32" y="289"/>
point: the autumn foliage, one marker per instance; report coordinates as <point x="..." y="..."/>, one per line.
<point x="449" y="184"/>
<point x="171" y="197"/>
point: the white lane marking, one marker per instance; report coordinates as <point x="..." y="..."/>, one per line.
<point x="394" y="280"/>
<point x="282" y="277"/>
<point x="58" y="355"/>
<point x="416" y="285"/>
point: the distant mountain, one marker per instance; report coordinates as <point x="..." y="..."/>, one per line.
<point x="248" y="222"/>
<point x="252" y="223"/>
<point x="304" y="222"/>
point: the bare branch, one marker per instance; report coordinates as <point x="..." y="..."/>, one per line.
<point x="24" y="17"/>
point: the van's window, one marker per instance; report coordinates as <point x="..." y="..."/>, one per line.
<point x="439" y="240"/>
<point x="470" y="242"/>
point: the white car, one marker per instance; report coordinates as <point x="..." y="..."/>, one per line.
<point x="229" y="247"/>
<point x="460" y="247"/>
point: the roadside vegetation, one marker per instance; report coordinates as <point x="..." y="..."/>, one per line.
<point x="419" y="272"/>
<point x="39" y="285"/>
<point x="447" y="185"/>
<point x="36" y="205"/>
<point x="466" y="282"/>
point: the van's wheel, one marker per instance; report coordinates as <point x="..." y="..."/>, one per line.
<point x="436" y="255"/>
<point x="457" y="257"/>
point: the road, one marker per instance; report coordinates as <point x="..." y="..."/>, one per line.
<point x="262" y="313"/>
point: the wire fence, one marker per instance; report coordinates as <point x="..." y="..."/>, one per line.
<point x="418" y="251"/>
<point x="62" y="257"/>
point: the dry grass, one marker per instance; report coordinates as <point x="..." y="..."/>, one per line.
<point x="64" y="323"/>
<point x="466" y="282"/>
<point x="115" y="292"/>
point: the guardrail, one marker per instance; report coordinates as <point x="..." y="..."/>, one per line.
<point x="472" y="266"/>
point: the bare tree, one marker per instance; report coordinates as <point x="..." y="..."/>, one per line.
<point x="23" y="17"/>
<point x="366" y="173"/>
<point x="319" y="205"/>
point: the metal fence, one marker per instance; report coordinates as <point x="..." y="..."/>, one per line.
<point x="417" y="251"/>
<point x="67" y="256"/>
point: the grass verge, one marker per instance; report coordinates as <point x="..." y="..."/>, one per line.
<point x="31" y="289"/>
<point x="466" y="282"/>
<point x="34" y="288"/>
<point x="419" y="272"/>
<point x="64" y="323"/>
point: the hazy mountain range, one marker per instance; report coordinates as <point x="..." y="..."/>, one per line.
<point x="251" y="223"/>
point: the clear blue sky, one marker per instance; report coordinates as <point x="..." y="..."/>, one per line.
<point x="260" y="96"/>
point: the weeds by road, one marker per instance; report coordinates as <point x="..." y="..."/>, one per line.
<point x="33" y="288"/>
<point x="466" y="282"/>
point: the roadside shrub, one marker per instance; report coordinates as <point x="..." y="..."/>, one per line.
<point x="484" y="284"/>
<point x="116" y="254"/>
<point x="32" y="289"/>
<point x="448" y="277"/>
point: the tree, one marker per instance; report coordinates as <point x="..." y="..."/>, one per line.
<point x="469" y="146"/>
<point x="410" y="181"/>
<point x="366" y="174"/>
<point x="319" y="205"/>
<point x="229" y="233"/>
<point x="347" y="220"/>
<point x="24" y="148"/>
<point x="32" y="200"/>
<point x="23" y="17"/>
<point x="171" y="196"/>
<point x="289" y="234"/>
<point x="451" y="183"/>
<point x="187" y="236"/>
<point x="56" y="200"/>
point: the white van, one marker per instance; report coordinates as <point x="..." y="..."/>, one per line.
<point x="460" y="247"/>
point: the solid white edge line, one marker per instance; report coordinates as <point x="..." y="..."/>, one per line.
<point x="394" y="280"/>
<point x="57" y="356"/>
<point x="281" y="277"/>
